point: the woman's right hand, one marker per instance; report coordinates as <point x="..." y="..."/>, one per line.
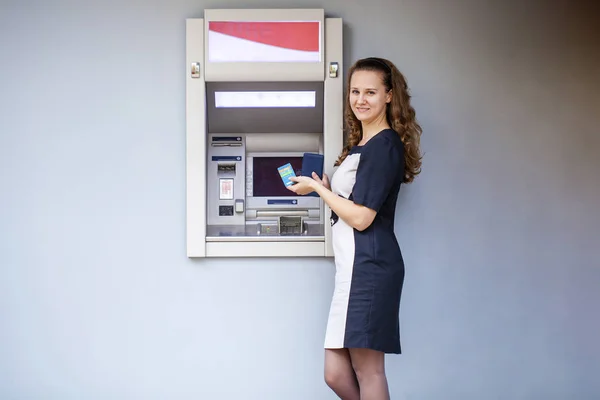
<point x="324" y="181"/>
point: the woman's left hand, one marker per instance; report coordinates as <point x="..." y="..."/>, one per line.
<point x="304" y="185"/>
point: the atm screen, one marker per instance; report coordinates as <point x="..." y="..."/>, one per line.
<point x="266" y="181"/>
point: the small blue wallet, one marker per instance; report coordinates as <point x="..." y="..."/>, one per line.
<point x="312" y="162"/>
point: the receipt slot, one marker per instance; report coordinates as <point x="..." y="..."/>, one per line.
<point x="263" y="88"/>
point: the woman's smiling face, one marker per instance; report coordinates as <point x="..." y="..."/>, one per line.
<point x="368" y="96"/>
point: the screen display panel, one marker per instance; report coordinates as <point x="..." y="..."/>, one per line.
<point x="266" y="181"/>
<point x="265" y="99"/>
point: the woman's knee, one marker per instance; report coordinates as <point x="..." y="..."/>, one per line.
<point x="338" y="369"/>
<point x="338" y="375"/>
<point x="368" y="364"/>
<point x="333" y="378"/>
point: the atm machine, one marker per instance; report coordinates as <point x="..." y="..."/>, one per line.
<point x="263" y="87"/>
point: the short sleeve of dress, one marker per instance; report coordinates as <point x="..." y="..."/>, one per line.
<point x="380" y="164"/>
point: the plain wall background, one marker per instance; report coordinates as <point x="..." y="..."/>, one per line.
<point x="500" y="232"/>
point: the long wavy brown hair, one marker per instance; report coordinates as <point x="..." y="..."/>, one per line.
<point x="400" y="115"/>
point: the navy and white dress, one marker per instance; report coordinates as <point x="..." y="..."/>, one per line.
<point x="369" y="265"/>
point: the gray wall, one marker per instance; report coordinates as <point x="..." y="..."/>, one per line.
<point x="500" y="232"/>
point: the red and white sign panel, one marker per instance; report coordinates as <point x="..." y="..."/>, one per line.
<point x="272" y="41"/>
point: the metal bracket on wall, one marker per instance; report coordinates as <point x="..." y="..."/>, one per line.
<point x="195" y="70"/>
<point x="333" y="70"/>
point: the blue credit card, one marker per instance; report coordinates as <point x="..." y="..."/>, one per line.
<point x="286" y="172"/>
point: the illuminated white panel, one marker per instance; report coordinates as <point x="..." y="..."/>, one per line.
<point x="265" y="99"/>
<point x="264" y="41"/>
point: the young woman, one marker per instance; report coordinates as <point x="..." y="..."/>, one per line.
<point x="381" y="153"/>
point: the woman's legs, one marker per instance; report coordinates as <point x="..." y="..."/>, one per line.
<point x="369" y="366"/>
<point x="339" y="374"/>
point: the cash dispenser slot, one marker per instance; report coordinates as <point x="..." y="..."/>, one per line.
<point x="281" y="213"/>
<point x="282" y="222"/>
<point x="291" y="225"/>
<point x="284" y="225"/>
